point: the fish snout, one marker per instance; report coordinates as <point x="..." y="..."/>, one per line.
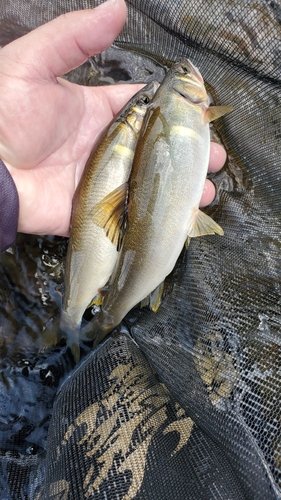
<point x="185" y="68"/>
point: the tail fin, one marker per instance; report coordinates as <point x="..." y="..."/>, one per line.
<point x="71" y="331"/>
<point x="73" y="343"/>
<point x="98" y="328"/>
<point x="51" y="333"/>
<point x="61" y="327"/>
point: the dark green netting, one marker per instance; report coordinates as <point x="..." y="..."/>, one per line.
<point x="187" y="404"/>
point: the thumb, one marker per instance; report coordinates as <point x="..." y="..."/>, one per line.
<point x="67" y="41"/>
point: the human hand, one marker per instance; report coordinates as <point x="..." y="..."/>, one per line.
<point x="48" y="125"/>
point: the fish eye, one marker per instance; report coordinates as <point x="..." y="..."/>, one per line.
<point x="184" y="69"/>
<point x="143" y="100"/>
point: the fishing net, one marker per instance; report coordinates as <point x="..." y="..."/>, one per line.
<point x="184" y="403"/>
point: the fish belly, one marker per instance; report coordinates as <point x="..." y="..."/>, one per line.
<point x="89" y="271"/>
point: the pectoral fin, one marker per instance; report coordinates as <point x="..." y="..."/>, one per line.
<point x="214" y="112"/>
<point x="111" y="214"/>
<point x="202" y="225"/>
<point x="96" y="301"/>
<point x="75" y="349"/>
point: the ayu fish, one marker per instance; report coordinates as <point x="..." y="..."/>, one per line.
<point x="165" y="188"/>
<point x="92" y="252"/>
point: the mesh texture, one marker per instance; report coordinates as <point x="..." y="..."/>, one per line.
<point x="187" y="404"/>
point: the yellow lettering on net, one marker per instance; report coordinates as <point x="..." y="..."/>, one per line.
<point x="136" y="460"/>
<point x="59" y="489"/>
<point x="115" y="439"/>
<point x="184" y="428"/>
<point x="113" y="436"/>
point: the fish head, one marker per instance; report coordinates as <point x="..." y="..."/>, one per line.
<point x="188" y="82"/>
<point x="141" y="102"/>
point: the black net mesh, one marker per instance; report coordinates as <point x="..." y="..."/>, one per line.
<point x="186" y="405"/>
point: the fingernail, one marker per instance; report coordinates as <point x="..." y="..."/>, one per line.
<point x="107" y="4"/>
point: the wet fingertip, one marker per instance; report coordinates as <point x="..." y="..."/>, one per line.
<point x="217" y="157"/>
<point x="209" y="193"/>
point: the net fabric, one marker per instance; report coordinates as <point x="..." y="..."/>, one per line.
<point x="215" y="343"/>
<point x="139" y="430"/>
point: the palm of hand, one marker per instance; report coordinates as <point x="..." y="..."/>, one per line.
<point x="61" y="121"/>
<point x="48" y="126"/>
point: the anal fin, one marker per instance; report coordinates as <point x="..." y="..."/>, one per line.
<point x="203" y="224"/>
<point x="154" y="298"/>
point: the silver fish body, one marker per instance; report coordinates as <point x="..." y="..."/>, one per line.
<point x="91" y="255"/>
<point x="165" y="189"/>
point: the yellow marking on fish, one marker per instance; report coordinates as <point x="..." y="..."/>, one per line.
<point x="124" y="151"/>
<point x="183" y="131"/>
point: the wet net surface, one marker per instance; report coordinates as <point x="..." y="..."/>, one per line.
<point x="186" y="403"/>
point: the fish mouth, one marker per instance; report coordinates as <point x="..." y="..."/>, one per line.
<point x="192" y="92"/>
<point x="183" y="92"/>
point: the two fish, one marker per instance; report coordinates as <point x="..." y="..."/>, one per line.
<point x="158" y="204"/>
